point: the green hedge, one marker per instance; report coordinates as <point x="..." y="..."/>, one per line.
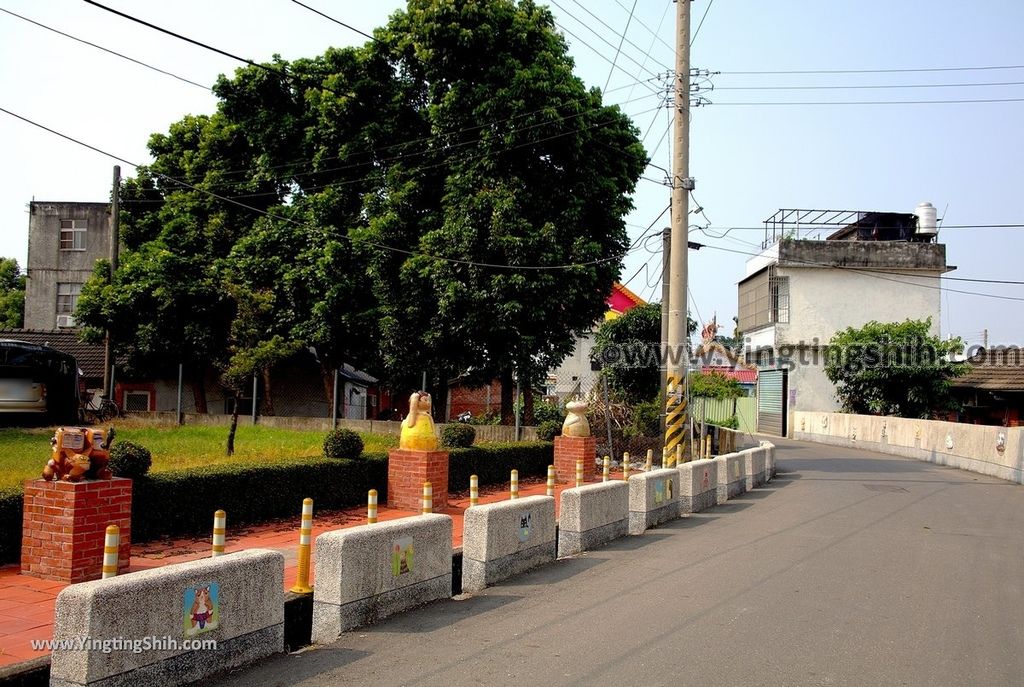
<point x="183" y="502"/>
<point x="492" y="463"/>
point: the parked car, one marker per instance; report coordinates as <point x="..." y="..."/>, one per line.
<point x="38" y="382"/>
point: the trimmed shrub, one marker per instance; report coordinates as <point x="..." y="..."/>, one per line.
<point x="548" y="411"/>
<point x="343" y="443"/>
<point x="548" y="430"/>
<point x="493" y="462"/>
<point x="130" y="460"/>
<point x="457" y="435"/>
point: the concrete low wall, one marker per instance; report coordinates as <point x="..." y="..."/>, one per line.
<point x="994" y="451"/>
<point x="159" y="607"/>
<point x="500" y="540"/>
<point x="769" y="460"/>
<point x="755" y="466"/>
<point x="732" y="478"/>
<point x="653" y="499"/>
<point x="592" y="515"/>
<point x="366" y="573"/>
<point x="698" y="486"/>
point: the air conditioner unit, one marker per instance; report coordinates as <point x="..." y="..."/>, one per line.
<point x="65" y="321"/>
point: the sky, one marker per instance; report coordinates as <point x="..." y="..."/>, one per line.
<point x="754" y="148"/>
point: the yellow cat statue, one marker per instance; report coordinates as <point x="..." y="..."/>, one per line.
<point x="418" y="426"/>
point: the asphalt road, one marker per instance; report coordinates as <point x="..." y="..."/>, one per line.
<point x="851" y="568"/>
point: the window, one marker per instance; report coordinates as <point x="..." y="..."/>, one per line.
<point x="72" y="234"/>
<point x="136" y="401"/>
<point x="67" y="298"/>
<point x="778" y="287"/>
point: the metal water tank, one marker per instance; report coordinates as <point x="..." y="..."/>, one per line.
<point x="926" y="219"/>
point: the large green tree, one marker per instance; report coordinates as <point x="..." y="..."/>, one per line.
<point x="893" y="368"/>
<point x="12" y="294"/>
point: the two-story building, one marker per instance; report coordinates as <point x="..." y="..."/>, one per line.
<point x="797" y="293"/>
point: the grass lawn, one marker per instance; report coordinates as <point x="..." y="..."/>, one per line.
<point x="24" y="452"/>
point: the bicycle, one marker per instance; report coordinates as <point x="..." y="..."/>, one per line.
<point x="97" y="409"/>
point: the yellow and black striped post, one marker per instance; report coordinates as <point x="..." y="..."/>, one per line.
<point x="305" y="539"/>
<point x="649" y="465"/>
<point x="579" y="473"/>
<point x="111" y="544"/>
<point x="625" y="466"/>
<point x="219" y="522"/>
<point x="606" y="470"/>
<point x="551" y="481"/>
<point x="474" y="490"/>
<point x="428" y="498"/>
<point x="513" y="485"/>
<point x="371" y="507"/>
<point x="675" y="416"/>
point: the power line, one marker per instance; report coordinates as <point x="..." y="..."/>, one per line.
<point x="878" y="71"/>
<point x="874" y="273"/>
<point x="605" y="58"/>
<point x="346" y="237"/>
<point x="336" y="21"/>
<point x="872" y="87"/>
<point x="706" y="10"/>
<point x="618" y="50"/>
<point x="106" y="50"/>
<point x="650" y="30"/>
<point x="874" y="102"/>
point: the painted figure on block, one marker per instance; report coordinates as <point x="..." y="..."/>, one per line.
<point x="202" y="609"/>
<point x="79" y="453"/>
<point x="418" y="426"/>
<point x="576" y="424"/>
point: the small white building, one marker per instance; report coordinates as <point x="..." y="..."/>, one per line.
<point x="798" y="293"/>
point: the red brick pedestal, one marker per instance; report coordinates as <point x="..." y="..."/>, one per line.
<point x="64" y="527"/>
<point x="570" y="449"/>
<point x="408" y="470"/>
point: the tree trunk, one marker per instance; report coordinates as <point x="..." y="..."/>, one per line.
<point x="508" y="395"/>
<point x="198" y="384"/>
<point x="439" y="399"/>
<point x="528" y="405"/>
<point x="232" y="428"/>
<point x="267" y="406"/>
<point x="327" y="376"/>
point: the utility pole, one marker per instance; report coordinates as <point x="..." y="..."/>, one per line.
<point x="666" y="253"/>
<point x="675" y="403"/>
<point x="115" y="242"/>
<point x="984" y="339"/>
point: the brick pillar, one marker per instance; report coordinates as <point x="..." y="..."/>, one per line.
<point x="64" y="525"/>
<point x="408" y="470"/>
<point x="570" y="449"/>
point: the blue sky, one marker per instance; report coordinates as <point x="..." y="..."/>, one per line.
<point x="749" y="160"/>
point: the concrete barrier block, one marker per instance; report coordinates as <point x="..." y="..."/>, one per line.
<point x="698" y="485"/>
<point x="592" y="515"/>
<point x="754" y="460"/>
<point x="139" y="629"/>
<point x="732" y="479"/>
<point x="500" y="540"/>
<point x="769" y="460"/>
<point x="653" y="499"/>
<point x="366" y="573"/>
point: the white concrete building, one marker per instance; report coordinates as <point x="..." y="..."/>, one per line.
<point x="798" y="293"/>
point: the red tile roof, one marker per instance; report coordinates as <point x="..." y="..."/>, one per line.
<point x="739" y="374"/>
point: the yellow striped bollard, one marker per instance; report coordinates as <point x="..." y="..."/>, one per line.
<point x="551" y="481"/>
<point x="625" y="466"/>
<point x="707" y="446"/>
<point x="606" y="470"/>
<point x="305" y="539"/>
<point x="579" y="473"/>
<point x="513" y="485"/>
<point x="428" y="498"/>
<point x="650" y="460"/>
<point x="371" y="507"/>
<point x="474" y="490"/>
<point x="111" y="544"/>
<point x="219" y="521"/>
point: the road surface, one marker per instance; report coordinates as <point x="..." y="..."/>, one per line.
<point x="851" y="568"/>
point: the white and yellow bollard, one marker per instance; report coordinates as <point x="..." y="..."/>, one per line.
<point x="707" y="446"/>
<point x="474" y="490"/>
<point x="579" y="473"/>
<point x="111" y="544"/>
<point x="625" y="466"/>
<point x="551" y="481"/>
<point x="649" y="465"/>
<point x="513" y="485"/>
<point x="219" y="522"/>
<point x="305" y="540"/>
<point x="428" y="498"/>
<point x="371" y="507"/>
<point x="607" y="469"/>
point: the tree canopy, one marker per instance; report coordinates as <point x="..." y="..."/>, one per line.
<point x="894" y="368"/>
<point x="713" y="385"/>
<point x="12" y="294"/>
<point x="387" y="205"/>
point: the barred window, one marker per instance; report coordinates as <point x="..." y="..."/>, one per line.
<point x="72" y="234"/>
